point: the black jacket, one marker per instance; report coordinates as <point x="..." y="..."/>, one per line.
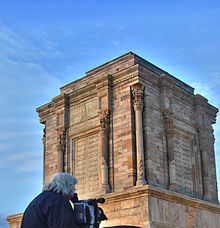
<point x="49" y="210"/>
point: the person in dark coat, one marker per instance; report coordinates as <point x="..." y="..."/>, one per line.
<point x="52" y="208"/>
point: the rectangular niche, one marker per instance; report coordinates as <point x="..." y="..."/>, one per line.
<point x="85" y="163"/>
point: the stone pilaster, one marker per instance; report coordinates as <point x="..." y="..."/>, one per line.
<point x="103" y="142"/>
<point x="204" y="155"/>
<point x="61" y="110"/>
<point x="44" y="153"/>
<point x="61" y="147"/>
<point x="137" y="92"/>
<point x="166" y="93"/>
<point x="104" y="88"/>
<point x="169" y="133"/>
<point x="205" y="117"/>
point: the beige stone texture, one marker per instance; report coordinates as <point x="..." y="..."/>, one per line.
<point x="14" y="220"/>
<point x="148" y="206"/>
<point x="128" y="123"/>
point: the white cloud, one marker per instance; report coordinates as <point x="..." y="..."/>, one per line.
<point x="16" y="134"/>
<point x="23" y="48"/>
<point x="202" y="89"/>
<point x="29" y="165"/>
<point x="24" y="162"/>
<point x="22" y="63"/>
<point x="5" y="146"/>
<point x="16" y="120"/>
<point x="19" y="156"/>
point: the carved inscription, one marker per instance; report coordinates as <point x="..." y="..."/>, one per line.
<point x="183" y="156"/>
<point x="124" y="212"/>
<point x="83" y="112"/>
<point x="86" y="164"/>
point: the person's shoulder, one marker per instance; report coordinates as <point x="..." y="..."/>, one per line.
<point x="53" y="196"/>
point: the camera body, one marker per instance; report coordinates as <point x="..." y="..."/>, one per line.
<point x="88" y="214"/>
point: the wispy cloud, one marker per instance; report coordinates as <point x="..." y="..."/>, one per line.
<point x="21" y="62"/>
<point x="22" y="155"/>
<point x="24" y="162"/>
<point x="203" y="89"/>
<point x="17" y="134"/>
<point x="5" y="146"/>
<point x="29" y="165"/>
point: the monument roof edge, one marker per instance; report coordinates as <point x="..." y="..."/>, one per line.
<point x="98" y="68"/>
<point x="137" y="60"/>
<point x="73" y="82"/>
<point x="43" y="107"/>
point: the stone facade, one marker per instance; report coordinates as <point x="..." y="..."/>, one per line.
<point x="138" y="136"/>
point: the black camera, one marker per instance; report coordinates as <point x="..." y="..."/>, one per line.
<point x="88" y="214"/>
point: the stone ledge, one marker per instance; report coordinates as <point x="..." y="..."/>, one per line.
<point x="152" y="191"/>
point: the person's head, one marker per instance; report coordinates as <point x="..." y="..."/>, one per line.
<point x="63" y="183"/>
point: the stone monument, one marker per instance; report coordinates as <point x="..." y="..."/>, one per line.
<point x="138" y="136"/>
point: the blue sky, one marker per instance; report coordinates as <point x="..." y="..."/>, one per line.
<point x="47" y="44"/>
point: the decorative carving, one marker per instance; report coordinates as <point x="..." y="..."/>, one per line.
<point x="86" y="164"/>
<point x="61" y="147"/>
<point x="44" y="135"/>
<point x="137" y="92"/>
<point x="104" y="119"/>
<point x="62" y="140"/>
<point x="168" y="120"/>
<point x="141" y="169"/>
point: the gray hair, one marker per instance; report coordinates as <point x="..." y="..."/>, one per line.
<point x="63" y="183"/>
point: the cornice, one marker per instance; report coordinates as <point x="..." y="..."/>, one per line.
<point x="85" y="132"/>
<point x="82" y="93"/>
<point x="127" y="76"/>
<point x="14" y="218"/>
<point x="45" y="111"/>
<point x="133" y="79"/>
<point x="147" y="74"/>
<point x="166" y="195"/>
<point x="126" y="71"/>
<point x="44" y="107"/>
<point x="112" y="63"/>
<point x="202" y="105"/>
<point x="183" y="133"/>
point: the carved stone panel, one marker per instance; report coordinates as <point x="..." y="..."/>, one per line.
<point x="85" y="167"/>
<point x="183" y="151"/>
<point x="83" y="112"/>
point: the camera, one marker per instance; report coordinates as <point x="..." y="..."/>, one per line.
<point x="88" y="214"/>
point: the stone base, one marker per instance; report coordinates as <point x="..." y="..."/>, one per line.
<point x="148" y="206"/>
<point x="151" y="207"/>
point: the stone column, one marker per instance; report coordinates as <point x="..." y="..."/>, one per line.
<point x="169" y="133"/>
<point x="137" y="91"/>
<point x="103" y="140"/>
<point x="202" y="136"/>
<point x="61" y="107"/>
<point x="61" y="146"/>
<point x="205" y="116"/>
<point x="44" y="150"/>
<point x="167" y="85"/>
